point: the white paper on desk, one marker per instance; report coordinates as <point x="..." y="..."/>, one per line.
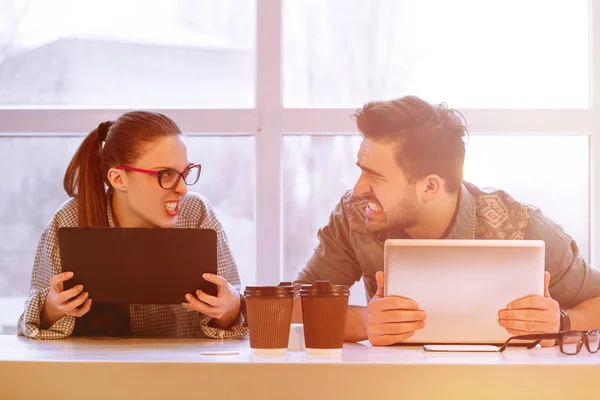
<point x="469" y="348"/>
<point x="296" y="341"/>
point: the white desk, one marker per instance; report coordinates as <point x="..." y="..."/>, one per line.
<point x="172" y="368"/>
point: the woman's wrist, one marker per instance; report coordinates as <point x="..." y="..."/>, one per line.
<point x="230" y="318"/>
<point x="49" y="315"/>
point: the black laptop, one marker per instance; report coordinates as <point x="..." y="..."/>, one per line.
<point x="139" y="265"/>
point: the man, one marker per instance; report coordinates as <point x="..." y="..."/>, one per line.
<point x="411" y="186"/>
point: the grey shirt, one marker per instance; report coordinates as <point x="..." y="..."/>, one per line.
<point x="346" y="251"/>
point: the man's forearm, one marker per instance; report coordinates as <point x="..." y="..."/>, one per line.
<point x="355" y="324"/>
<point x="585" y="315"/>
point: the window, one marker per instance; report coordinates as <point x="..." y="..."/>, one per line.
<point x="227" y="181"/>
<point x="468" y="53"/>
<point x="550" y="172"/>
<point x="115" y="53"/>
<point x="32" y="192"/>
<point x="264" y="90"/>
<point x="319" y="169"/>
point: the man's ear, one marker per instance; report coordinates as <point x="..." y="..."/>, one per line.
<point x="118" y="179"/>
<point x="432" y="186"/>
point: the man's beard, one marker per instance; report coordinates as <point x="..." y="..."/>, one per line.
<point x="402" y="217"/>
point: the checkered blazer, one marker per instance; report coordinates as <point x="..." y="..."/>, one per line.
<point x="145" y="320"/>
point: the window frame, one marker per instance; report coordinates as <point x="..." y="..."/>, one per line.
<point x="269" y="120"/>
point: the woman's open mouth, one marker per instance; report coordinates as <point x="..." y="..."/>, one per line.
<point x="172" y="208"/>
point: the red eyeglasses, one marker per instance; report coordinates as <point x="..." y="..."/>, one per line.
<point x="169" y="178"/>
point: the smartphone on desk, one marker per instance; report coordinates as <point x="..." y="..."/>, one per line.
<point x="461" y="348"/>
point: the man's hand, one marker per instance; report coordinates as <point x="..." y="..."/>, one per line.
<point x="392" y="319"/>
<point x="224" y="308"/>
<point x="532" y="314"/>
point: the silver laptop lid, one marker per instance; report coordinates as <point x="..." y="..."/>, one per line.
<point x="462" y="284"/>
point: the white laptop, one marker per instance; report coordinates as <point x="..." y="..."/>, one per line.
<point x="462" y="284"/>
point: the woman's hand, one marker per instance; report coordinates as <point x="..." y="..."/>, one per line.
<point x="61" y="302"/>
<point x="224" y="308"/>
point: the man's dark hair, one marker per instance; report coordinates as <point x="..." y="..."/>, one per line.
<point x="429" y="137"/>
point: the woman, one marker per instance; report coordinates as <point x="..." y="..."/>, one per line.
<point x="143" y="162"/>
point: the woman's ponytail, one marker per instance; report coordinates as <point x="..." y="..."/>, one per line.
<point x="84" y="181"/>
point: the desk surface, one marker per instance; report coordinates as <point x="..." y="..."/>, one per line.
<point x="153" y="368"/>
